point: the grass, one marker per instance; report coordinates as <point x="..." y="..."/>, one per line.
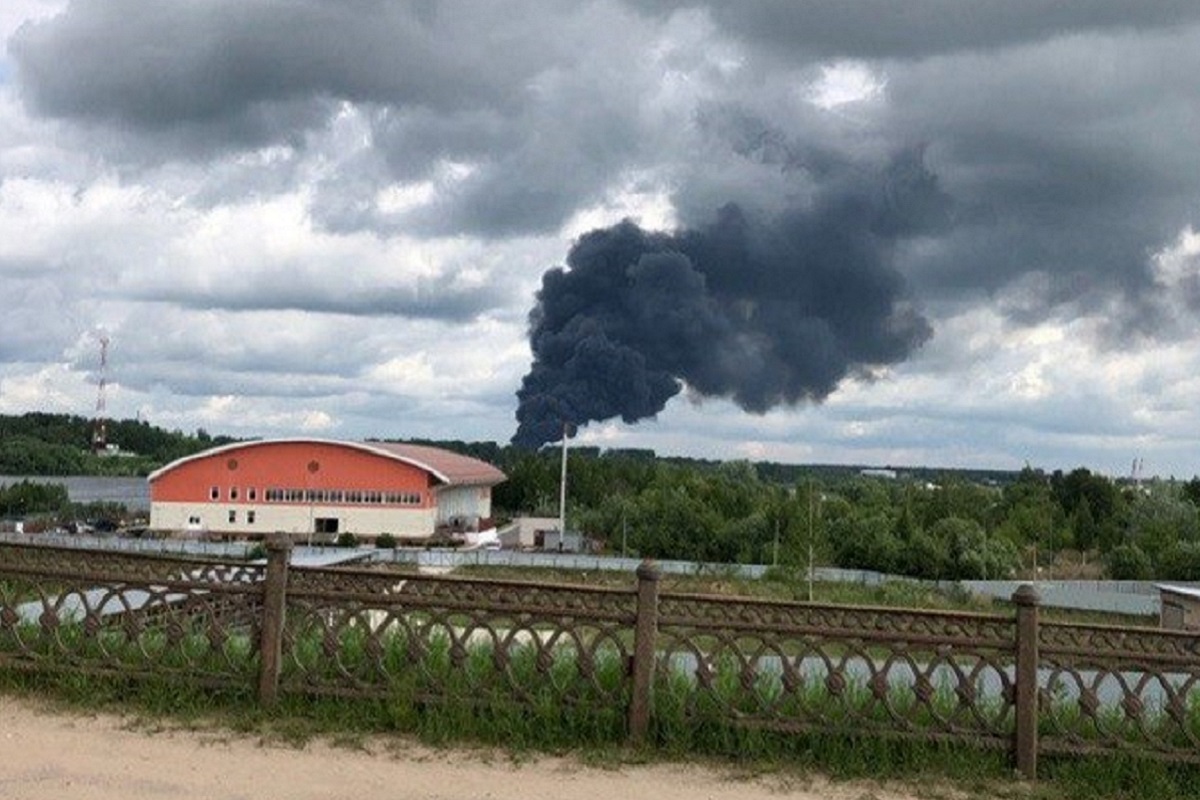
<point x="450" y="695"/>
<point x="951" y="770"/>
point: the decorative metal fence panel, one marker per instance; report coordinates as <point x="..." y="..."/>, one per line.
<point x="1106" y="689"/>
<point x="632" y="656"/>
<point x="128" y="615"/>
<point x="792" y="666"/>
<point x="439" y="640"/>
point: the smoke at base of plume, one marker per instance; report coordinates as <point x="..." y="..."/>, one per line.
<point x="765" y="312"/>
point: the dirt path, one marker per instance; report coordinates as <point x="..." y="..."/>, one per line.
<point x="48" y="755"/>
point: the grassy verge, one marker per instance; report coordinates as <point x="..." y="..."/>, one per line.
<point x="530" y="703"/>
<point x="929" y="769"/>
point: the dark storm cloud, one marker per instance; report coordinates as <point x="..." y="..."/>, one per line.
<point x="874" y="29"/>
<point x="159" y="65"/>
<point x="1077" y="160"/>
<point x="497" y="87"/>
<point x="766" y="311"/>
<point x="1064" y="130"/>
<point x="1067" y="142"/>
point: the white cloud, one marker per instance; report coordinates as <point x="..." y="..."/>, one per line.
<point x="845" y="82"/>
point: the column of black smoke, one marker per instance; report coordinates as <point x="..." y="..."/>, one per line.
<point x="763" y="311"/>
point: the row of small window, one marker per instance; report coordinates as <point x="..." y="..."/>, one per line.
<point x="349" y="496"/>
<point x="233" y="514"/>
<point x="215" y="493"/>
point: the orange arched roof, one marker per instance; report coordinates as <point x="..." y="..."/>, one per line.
<point x="452" y="469"/>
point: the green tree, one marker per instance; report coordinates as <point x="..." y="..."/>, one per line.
<point x="1191" y="491"/>
<point x="1160" y="518"/>
<point x="1084" y="529"/>
<point x="27" y="497"/>
<point x="1180" y="562"/>
<point x="1127" y="562"/>
<point x="865" y="542"/>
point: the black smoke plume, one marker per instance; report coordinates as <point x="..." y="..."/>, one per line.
<point x="762" y="311"/>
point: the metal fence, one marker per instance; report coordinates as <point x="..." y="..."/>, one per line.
<point x="662" y="661"/>
<point x="1134" y="598"/>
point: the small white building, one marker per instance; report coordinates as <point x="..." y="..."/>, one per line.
<point x="1180" y="607"/>
<point x="525" y="533"/>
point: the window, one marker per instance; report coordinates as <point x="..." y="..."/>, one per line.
<point x="232" y="515"/>
<point x="214" y="493"/>
<point x="252" y="494"/>
<point x="233" y="493"/>
<point x="250" y="517"/>
<point x="193" y="520"/>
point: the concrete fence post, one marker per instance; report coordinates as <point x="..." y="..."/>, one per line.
<point x="644" y="639"/>
<point x="279" y="550"/>
<point x="1025" y="742"/>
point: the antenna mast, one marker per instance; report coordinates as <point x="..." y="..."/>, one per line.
<point x="99" y="422"/>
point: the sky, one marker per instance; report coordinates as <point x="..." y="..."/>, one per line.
<point x="968" y="232"/>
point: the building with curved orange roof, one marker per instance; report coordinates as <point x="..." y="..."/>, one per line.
<point x="322" y="487"/>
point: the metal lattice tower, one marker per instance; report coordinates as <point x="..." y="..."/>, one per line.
<point x="99" y="422"/>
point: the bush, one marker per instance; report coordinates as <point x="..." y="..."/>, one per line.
<point x="347" y="539"/>
<point x="385" y="541"/>
<point x="1180" y="562"/>
<point x="1128" y="563"/>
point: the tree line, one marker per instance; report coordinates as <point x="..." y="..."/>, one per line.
<point x="950" y="524"/>
<point x="60" y="444"/>
<point x="947" y="525"/>
<point x="49" y="506"/>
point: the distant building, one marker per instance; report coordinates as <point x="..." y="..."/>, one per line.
<point x="569" y="542"/>
<point x="318" y="487"/>
<point x="528" y="532"/>
<point x="1180" y="607"/>
<point x="889" y="474"/>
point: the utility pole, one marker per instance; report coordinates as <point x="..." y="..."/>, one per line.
<point x="309" y="495"/>
<point x="562" y="490"/>
<point x="775" y="548"/>
<point x="624" y="531"/>
<point x="812" y="533"/>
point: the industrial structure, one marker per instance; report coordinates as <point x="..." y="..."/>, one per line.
<point x="323" y="488"/>
<point x="100" y="420"/>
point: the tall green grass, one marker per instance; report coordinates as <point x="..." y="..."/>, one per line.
<point x="445" y="687"/>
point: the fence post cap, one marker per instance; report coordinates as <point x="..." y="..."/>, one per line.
<point x="278" y="541"/>
<point x="1026" y="595"/>
<point x="648" y="570"/>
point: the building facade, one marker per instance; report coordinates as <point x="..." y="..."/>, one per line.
<point x="322" y="488"/>
<point x="1180" y="607"/>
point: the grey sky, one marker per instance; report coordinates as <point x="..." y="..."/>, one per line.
<point x="297" y="215"/>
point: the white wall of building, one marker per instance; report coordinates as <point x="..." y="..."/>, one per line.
<point x="288" y="518"/>
<point x="463" y="502"/>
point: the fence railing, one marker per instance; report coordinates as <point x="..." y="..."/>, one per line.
<point x="654" y="659"/>
<point x="1135" y="598"/>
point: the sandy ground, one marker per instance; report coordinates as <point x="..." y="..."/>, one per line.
<point x="48" y="754"/>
